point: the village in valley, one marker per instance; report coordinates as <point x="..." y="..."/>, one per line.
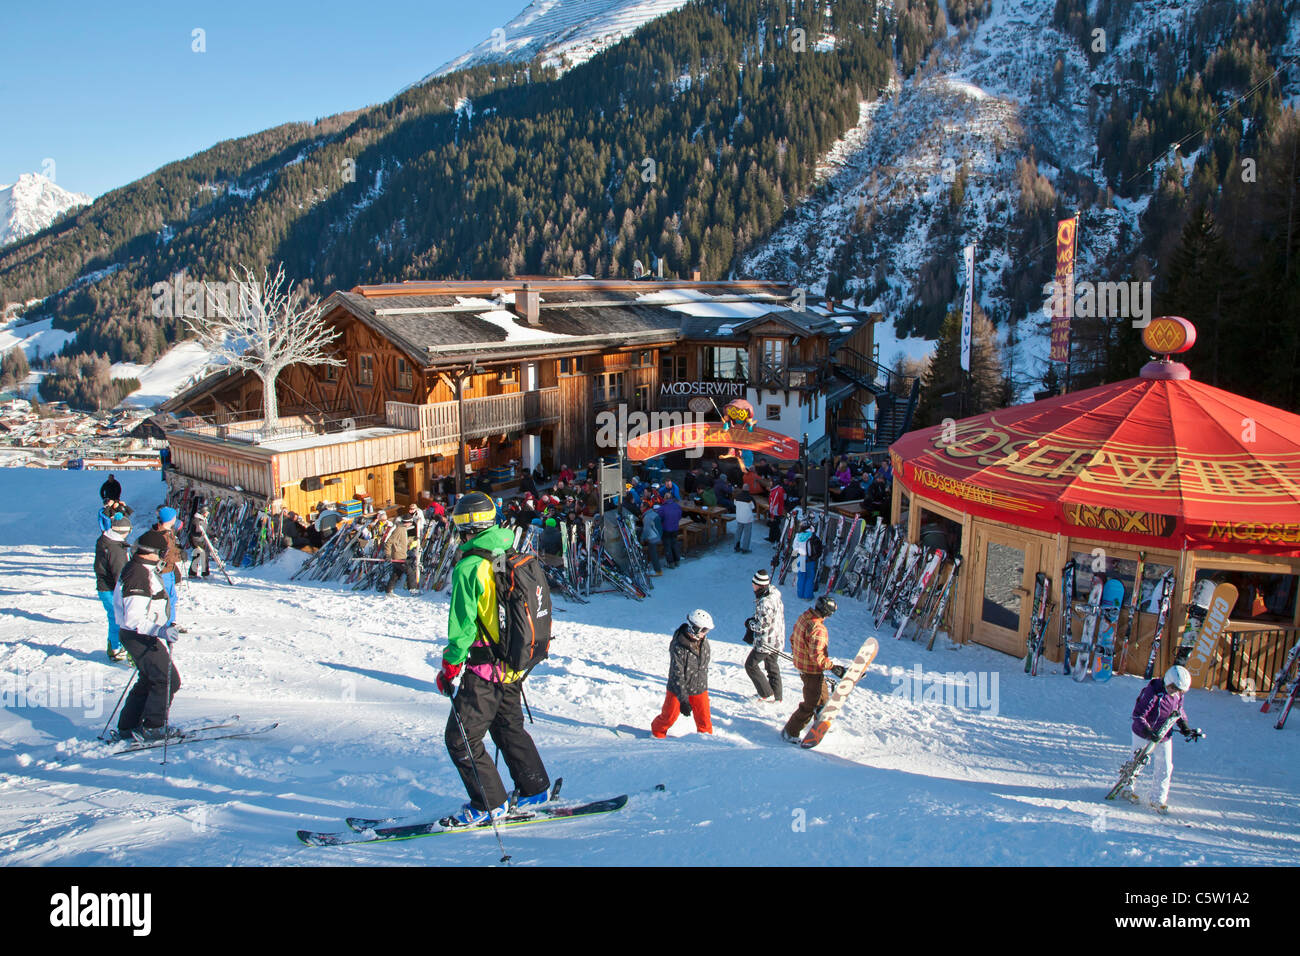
<point x="760" y="536"/>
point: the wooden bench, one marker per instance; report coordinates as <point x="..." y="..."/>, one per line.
<point x="691" y="533"/>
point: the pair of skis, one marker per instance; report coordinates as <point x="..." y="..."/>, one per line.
<point x="228" y="729"/>
<point x="1038" y="618"/>
<point x="389" y="829"/>
<point x="1285" y="675"/>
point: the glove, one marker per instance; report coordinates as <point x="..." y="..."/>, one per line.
<point x="837" y="670"/>
<point x="447" y="677"/>
<point x="749" y="635"/>
<point x="170" y="634"/>
<point x="1194" y="735"/>
<point x="686" y="706"/>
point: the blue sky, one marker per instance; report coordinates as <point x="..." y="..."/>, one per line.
<point x="111" y="91"/>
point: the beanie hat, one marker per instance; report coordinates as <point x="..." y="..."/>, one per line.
<point x="761" y="578"/>
<point x="166" y="514"/>
<point x="121" y="522"/>
<point x="153" y="542"/>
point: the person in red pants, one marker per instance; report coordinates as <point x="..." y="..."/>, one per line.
<point x="688" y="676"/>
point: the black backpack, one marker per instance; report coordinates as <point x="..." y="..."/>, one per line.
<point x="523" y="607"/>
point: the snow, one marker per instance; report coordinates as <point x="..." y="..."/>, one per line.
<point x="1017" y="779"/>
<point x="704" y="306"/>
<point x="564" y="33"/>
<point x="33" y="337"/>
<point x="181" y="366"/>
<point x="32" y="203"/>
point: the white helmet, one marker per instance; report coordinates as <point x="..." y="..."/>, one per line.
<point x="1178" y="676"/>
<point x="700" y="620"/>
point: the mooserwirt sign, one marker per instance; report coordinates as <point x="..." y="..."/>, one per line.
<point x="710" y="389"/>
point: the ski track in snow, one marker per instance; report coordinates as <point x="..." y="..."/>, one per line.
<point x="350" y="677"/>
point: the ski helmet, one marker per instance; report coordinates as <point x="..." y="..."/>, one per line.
<point x="1178" y="676"/>
<point x="474" y="512"/>
<point x="700" y="620"/>
<point x="825" y="606"/>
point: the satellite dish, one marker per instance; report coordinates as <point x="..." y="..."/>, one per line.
<point x="638" y="270"/>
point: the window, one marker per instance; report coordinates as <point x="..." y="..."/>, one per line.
<point x="571" y="366"/>
<point x="774" y="352"/>
<point x="645" y="359"/>
<point x="773" y="413"/>
<point x="672" y="368"/>
<point x="405" y="378"/>
<point x="726" y="363"/>
<point x="365" y="370"/>
<point x="508" y="376"/>
<point x="331" y="373"/>
<point x="641" y="401"/>
<point x="609" y="387"/>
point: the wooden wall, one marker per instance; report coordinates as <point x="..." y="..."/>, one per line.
<point x="223" y="466"/>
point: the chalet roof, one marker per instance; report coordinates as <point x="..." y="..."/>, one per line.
<point x="440" y="323"/>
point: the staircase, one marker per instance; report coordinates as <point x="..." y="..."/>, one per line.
<point x="895" y="397"/>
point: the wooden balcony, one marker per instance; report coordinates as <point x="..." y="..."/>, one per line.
<point x="443" y="423"/>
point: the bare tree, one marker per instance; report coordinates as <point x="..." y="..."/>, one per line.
<point x="264" y="325"/>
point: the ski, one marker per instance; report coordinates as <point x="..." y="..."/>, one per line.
<point x="942" y="606"/>
<point x="1290" y="701"/>
<point x="833" y="706"/>
<point x="1280" y="678"/>
<point x="1067" y="598"/>
<point x="1162" y="621"/>
<point x="1037" y="622"/>
<point x="914" y="601"/>
<point x="199" y="735"/>
<point x="217" y="554"/>
<point x="1134" y="611"/>
<point x="410" y="831"/>
<point x="361" y="824"/>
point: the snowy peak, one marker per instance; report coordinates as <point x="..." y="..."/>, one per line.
<point x="564" y="33"/>
<point x="31" y="204"/>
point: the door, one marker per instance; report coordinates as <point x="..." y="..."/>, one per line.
<point x="1001" y="598"/>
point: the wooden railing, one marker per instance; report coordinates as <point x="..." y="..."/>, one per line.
<point x="1248" y="658"/>
<point x="440" y="424"/>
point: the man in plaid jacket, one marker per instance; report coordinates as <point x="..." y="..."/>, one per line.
<point x="809" y="643"/>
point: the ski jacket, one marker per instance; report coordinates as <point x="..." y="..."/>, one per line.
<point x="198" y="530"/>
<point x="172" y="558"/>
<point x="395" y="546"/>
<point x="688" y="665"/>
<point x="552" y="539"/>
<point x="652" y="527"/>
<point x="744" y="509"/>
<point x="809" y="642"/>
<point x="670" y="488"/>
<point x="111" y="556"/>
<point x="776" y="501"/>
<point x="768" y="622"/>
<point x="671" y="513"/>
<point x="472" y="618"/>
<point x="106" y="515"/>
<point x="110" y="490"/>
<point x="140" y="601"/>
<point x="1154" y="706"/>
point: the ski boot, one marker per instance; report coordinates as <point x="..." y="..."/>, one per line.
<point x="116" y="656"/>
<point x="468" y="816"/>
<point x="788" y="738"/>
<point x="523" y="803"/>
<point x="1128" y="794"/>
<point x="143" y="734"/>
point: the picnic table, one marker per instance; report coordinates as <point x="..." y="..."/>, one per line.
<point x="713" y="519"/>
<point x="851" y="509"/>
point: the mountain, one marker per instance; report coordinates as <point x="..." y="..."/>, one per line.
<point x="853" y="147"/>
<point x="563" y="33"/>
<point x="31" y="204"/>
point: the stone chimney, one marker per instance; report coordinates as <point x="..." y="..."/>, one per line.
<point x="527" y="301"/>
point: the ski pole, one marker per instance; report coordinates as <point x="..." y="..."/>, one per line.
<point x="167" y="722"/>
<point x="469" y="755"/>
<point x="129" y="681"/>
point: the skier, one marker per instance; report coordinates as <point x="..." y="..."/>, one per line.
<point x="110" y="490"/>
<point x="111" y="556"/>
<point x="670" y="512"/>
<point x="172" y="558"/>
<point x="395" y="547"/>
<point x="652" y="532"/>
<point x="199" y="543"/>
<point x="416" y="521"/>
<point x="142" y="610"/>
<point x="744" y="519"/>
<point x="766" y="631"/>
<point x="1160" y="700"/>
<point x="490" y="695"/>
<point x="688" y="676"/>
<point x="775" y="510"/>
<point x="809" y="642"/>
<point x="808" y="548"/>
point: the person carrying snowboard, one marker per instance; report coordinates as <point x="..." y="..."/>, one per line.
<point x="142" y="610"/>
<point x="688" y="676"/>
<point x="766" y="632"/>
<point x="1160" y="700"/>
<point x="111" y="556"/>
<point x="490" y="698"/>
<point x="809" y="643"/>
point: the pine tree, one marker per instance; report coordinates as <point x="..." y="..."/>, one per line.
<point x="982" y="390"/>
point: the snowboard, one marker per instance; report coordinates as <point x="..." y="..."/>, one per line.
<point x="1214" y="620"/>
<point x="851" y="676"/>
<point x="1112" y="599"/>
<point x="1083" y="650"/>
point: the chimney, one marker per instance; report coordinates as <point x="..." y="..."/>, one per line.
<point x="526" y="304"/>
<point x="695" y="275"/>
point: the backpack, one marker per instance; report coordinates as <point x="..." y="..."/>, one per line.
<point x="523" y="608"/>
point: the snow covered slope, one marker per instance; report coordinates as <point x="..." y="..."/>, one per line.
<point x="180" y="367"/>
<point x="31" y="204"/>
<point x="1018" y="778"/>
<point x="563" y="32"/>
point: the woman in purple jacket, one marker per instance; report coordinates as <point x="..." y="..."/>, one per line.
<point x="1159" y="701"/>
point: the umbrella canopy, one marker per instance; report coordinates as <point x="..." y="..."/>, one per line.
<point x="1155" y="460"/>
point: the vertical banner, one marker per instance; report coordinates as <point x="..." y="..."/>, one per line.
<point x="1063" y="296"/>
<point x="968" y="307"/>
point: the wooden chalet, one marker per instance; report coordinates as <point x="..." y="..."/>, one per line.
<point x="452" y="379"/>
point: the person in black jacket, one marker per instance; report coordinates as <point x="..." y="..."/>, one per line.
<point x="688" y="676"/>
<point x="111" y="556"/>
<point x="110" y="490"/>
<point x="143" y="609"/>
